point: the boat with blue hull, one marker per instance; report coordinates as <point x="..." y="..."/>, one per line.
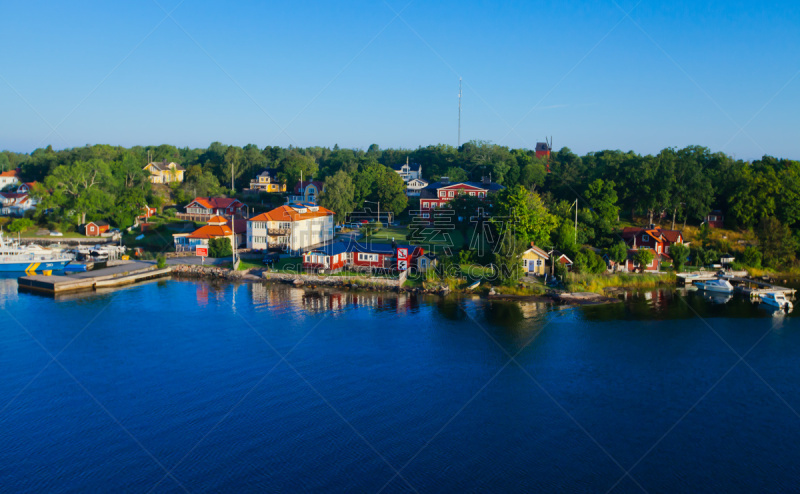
<point x="30" y="258"/>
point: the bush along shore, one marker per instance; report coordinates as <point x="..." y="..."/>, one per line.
<point x="576" y="295"/>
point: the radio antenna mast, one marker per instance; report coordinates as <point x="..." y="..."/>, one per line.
<point x="459" y="112"/>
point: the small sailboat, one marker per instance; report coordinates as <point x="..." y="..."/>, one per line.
<point x="776" y="300"/>
<point x="718" y="285"/>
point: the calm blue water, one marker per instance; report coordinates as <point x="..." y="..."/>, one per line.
<point x="180" y="386"/>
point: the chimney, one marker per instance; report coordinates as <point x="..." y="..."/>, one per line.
<point x="444" y="180"/>
<point x="486" y="180"/>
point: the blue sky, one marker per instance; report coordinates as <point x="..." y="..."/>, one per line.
<point x="722" y="74"/>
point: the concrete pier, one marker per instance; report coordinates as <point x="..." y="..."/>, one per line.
<point x="118" y="275"/>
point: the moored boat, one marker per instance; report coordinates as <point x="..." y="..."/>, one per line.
<point x="776" y="300"/>
<point x="26" y="259"/>
<point x="718" y="285"/>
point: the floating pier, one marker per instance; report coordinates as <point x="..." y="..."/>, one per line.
<point x="746" y="286"/>
<point x="118" y="275"/>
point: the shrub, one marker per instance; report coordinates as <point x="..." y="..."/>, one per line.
<point x="161" y="262"/>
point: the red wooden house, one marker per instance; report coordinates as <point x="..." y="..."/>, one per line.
<point x="440" y="193"/>
<point x="715" y="219"/>
<point x="95" y="228"/>
<point x="657" y="239"/>
<point x="339" y="255"/>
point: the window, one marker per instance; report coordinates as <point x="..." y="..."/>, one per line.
<point x="472" y="194"/>
<point x="426" y="204"/>
<point x="480" y="194"/>
<point x="367" y="257"/>
<point x="451" y="193"/>
<point x="645" y="238"/>
<point x="425" y="215"/>
<point x="538" y="262"/>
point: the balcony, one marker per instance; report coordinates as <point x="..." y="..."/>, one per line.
<point x="279" y="231"/>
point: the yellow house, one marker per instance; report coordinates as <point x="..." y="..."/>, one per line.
<point x="534" y="261"/>
<point x="164" y="172"/>
<point x="266" y="181"/>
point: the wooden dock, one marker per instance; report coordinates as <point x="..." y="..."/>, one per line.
<point x="118" y="275"/>
<point x="746" y="286"/>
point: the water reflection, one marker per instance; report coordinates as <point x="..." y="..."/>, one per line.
<point x="285" y="298"/>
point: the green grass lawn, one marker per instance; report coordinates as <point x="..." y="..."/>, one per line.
<point x="33" y="234"/>
<point x="250" y="264"/>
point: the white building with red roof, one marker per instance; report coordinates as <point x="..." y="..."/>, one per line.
<point x="10" y="177"/>
<point x="293" y="227"/>
<point x="216" y="227"/>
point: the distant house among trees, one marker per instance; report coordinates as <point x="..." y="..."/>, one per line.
<point x="203" y="208"/>
<point x="164" y="172"/>
<point x="440" y="193"/>
<point x="10" y="177"/>
<point x="266" y="181"/>
<point x="715" y="219"/>
<point x="308" y="191"/>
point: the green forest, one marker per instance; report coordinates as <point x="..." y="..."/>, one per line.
<point x="677" y="187"/>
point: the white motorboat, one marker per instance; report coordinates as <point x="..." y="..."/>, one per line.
<point x="776" y="300"/>
<point x="718" y="285"/>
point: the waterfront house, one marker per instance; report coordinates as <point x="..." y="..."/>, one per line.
<point x="10" y="177"/>
<point x="216" y="227"/>
<point x="266" y="181"/>
<point x="293" y="227"/>
<point x="426" y="261"/>
<point x="362" y="257"/>
<point x="204" y="208"/>
<point x="164" y="172"/>
<point x="331" y="257"/>
<point x="440" y="193"/>
<point x="561" y="258"/>
<point x="534" y="261"/>
<point x="95" y="228"/>
<point x="715" y="219"/>
<point x="630" y="265"/>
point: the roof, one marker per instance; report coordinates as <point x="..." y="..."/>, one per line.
<point x="478" y="185"/>
<point x="10" y="173"/>
<point x="332" y="249"/>
<point x="164" y="165"/>
<point x="98" y="223"/>
<point x="345" y="246"/>
<point x="268" y="172"/>
<point x="217" y="219"/>
<point x="212" y="231"/>
<point x="305" y="183"/>
<point x="671" y="236"/>
<point x="542" y="146"/>
<point x="238" y="225"/>
<point x="290" y="213"/>
<point x="411" y="166"/>
<point x="558" y="255"/>
<point x="374" y="248"/>
<point x="537" y="250"/>
<point x="216" y="202"/>
<point x="13" y="195"/>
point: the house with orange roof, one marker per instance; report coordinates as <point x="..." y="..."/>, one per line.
<point x="26" y="187"/>
<point x="10" y="177"/>
<point x="652" y="237"/>
<point x="216" y="227"/>
<point x="203" y="208"/>
<point x="293" y="227"/>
